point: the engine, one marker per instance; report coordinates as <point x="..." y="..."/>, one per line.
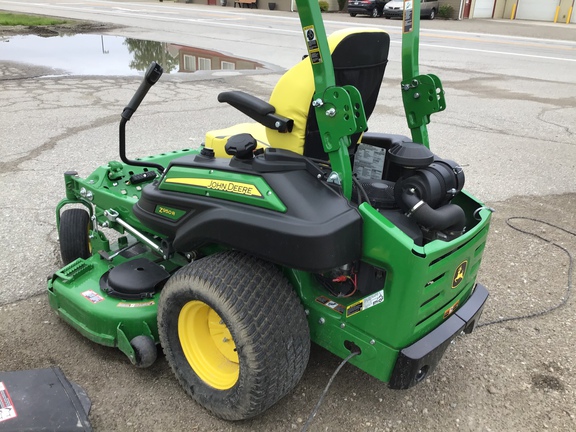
<point x="416" y="192"/>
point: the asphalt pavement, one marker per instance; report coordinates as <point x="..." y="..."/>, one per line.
<point x="516" y="372"/>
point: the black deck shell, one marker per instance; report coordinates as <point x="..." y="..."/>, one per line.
<point x="319" y="231"/>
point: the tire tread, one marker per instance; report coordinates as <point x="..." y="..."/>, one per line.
<point x="273" y="337"/>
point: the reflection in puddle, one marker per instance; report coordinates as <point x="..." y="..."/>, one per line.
<point x="113" y="55"/>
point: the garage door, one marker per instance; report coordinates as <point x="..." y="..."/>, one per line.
<point x="540" y="10"/>
<point x="483" y="9"/>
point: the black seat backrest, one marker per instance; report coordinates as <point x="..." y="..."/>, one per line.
<point x="359" y="60"/>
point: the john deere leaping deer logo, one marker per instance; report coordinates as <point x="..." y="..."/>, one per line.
<point x="459" y="274"/>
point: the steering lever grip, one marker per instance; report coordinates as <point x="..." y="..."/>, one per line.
<point x="152" y="75"/>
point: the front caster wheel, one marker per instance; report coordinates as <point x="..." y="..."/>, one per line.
<point x="74" y="234"/>
<point x="145" y="351"/>
<point x="234" y="333"/>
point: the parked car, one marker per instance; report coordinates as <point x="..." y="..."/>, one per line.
<point x="366" y="7"/>
<point x="395" y="9"/>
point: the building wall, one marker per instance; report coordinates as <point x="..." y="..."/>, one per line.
<point x="564" y="7"/>
<point x="504" y="9"/>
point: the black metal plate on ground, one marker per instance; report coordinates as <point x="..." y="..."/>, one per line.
<point x="42" y="400"/>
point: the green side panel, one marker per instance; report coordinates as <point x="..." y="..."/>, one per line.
<point x="331" y="329"/>
<point x="242" y="188"/>
<point x="419" y="282"/>
<point x="417" y="294"/>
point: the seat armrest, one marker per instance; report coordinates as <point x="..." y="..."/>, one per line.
<point x="257" y="109"/>
<point x="246" y="103"/>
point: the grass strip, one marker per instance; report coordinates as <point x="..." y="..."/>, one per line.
<point x="10" y="19"/>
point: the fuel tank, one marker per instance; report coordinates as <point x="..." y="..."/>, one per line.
<point x="276" y="206"/>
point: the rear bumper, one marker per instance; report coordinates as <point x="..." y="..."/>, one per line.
<point x="418" y="360"/>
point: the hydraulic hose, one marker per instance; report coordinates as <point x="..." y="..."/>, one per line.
<point x="446" y="218"/>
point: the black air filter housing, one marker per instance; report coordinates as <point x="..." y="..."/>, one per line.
<point x="410" y="155"/>
<point x="406" y="155"/>
<point x="436" y="184"/>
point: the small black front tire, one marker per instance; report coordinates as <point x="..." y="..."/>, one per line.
<point x="145" y="351"/>
<point x="75" y="226"/>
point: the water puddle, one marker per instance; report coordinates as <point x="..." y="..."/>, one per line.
<point x="87" y="54"/>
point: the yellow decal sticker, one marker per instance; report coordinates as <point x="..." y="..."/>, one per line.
<point x="166" y="211"/>
<point x="451" y="309"/>
<point x="312" y="44"/>
<point x="354" y="308"/>
<point x="365" y="303"/>
<point x="135" y="305"/>
<point x="221" y="185"/>
<point x="459" y="274"/>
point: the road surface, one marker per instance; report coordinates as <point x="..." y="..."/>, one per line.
<point x="509" y="122"/>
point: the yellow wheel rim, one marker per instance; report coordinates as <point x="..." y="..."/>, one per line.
<point x="208" y="345"/>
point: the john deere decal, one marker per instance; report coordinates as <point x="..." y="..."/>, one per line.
<point x="221" y="185"/>
<point x="459" y="274"/>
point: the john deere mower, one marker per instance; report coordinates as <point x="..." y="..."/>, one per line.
<point x="300" y="227"/>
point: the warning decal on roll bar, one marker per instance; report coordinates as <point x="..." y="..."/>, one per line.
<point x="312" y="45"/>
<point x="407" y="17"/>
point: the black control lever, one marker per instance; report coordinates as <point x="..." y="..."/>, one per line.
<point x="151" y="76"/>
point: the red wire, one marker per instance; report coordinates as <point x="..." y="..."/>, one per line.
<point x="353" y="283"/>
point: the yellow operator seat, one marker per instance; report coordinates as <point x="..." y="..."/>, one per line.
<point x="359" y="57"/>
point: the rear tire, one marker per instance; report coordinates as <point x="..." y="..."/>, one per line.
<point x="375" y="13"/>
<point x="353" y="15"/>
<point x="74" y="235"/>
<point x="234" y="333"/>
<point x="432" y="14"/>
